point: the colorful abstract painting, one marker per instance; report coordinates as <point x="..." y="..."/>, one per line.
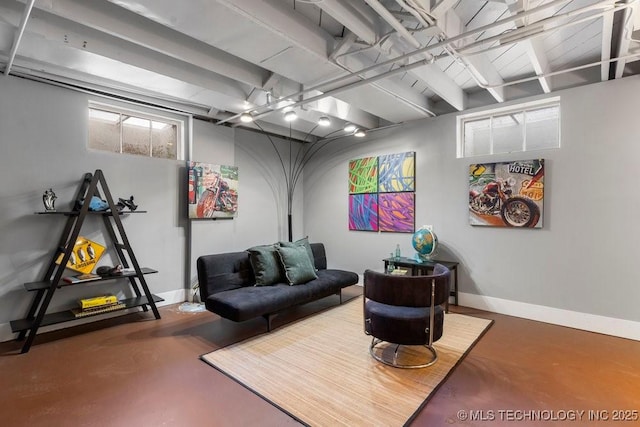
<point x="382" y="193"/>
<point x="396" y="172"/>
<point x="396" y="212"/>
<point x="363" y="212"/>
<point x="363" y="175"/>
<point x="507" y="194"/>
<point x="213" y="190"/>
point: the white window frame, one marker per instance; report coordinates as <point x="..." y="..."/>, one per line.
<point x="152" y="114"/>
<point x="514" y="109"/>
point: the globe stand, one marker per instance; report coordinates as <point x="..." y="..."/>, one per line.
<point x="424" y="258"/>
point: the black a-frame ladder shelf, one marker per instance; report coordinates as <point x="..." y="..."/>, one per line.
<point x="92" y="185"/>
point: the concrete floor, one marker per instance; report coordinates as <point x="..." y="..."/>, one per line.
<point x="137" y="371"/>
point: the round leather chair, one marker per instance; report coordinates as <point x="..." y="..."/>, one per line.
<point x="405" y="311"/>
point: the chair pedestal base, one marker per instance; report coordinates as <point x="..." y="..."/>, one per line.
<point x="402" y="356"/>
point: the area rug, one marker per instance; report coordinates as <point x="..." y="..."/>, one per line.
<point x="320" y="372"/>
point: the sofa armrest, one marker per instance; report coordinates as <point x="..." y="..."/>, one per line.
<point x="223" y="272"/>
<point x="319" y="255"/>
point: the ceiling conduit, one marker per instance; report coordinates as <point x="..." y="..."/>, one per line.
<point x="18" y="38"/>
<point x="514" y="36"/>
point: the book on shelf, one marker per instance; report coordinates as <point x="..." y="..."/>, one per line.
<point x="87" y="277"/>
<point x="98" y="302"/>
<point x="79" y="312"/>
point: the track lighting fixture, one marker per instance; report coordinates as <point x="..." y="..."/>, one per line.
<point x="324" y="121"/>
<point x="349" y="127"/>
<point x="290" y="116"/>
<point x="359" y="133"/>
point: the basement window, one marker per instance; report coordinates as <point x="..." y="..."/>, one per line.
<point x="132" y="132"/>
<point x="522" y="128"/>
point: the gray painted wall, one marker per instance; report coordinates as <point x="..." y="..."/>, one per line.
<point x="261" y="216"/>
<point x="584" y="258"/>
<point x="43" y="133"/>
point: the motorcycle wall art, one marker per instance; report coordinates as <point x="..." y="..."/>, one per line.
<point x="213" y="190"/>
<point x="507" y="194"/>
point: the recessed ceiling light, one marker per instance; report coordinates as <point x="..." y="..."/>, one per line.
<point x="349" y="127"/>
<point x="290" y="116"/>
<point x="359" y="133"/>
<point x="324" y="121"/>
<point x="246" y="118"/>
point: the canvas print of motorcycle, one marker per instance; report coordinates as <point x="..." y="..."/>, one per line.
<point x="213" y="190"/>
<point x="507" y="194"/>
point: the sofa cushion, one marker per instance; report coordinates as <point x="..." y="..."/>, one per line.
<point x="304" y="242"/>
<point x="297" y="265"/>
<point x="250" y="301"/>
<point x="266" y="265"/>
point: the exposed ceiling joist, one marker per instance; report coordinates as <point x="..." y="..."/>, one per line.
<point x="18" y="36"/>
<point x="605" y="55"/>
<point x="117" y="22"/>
<point x="624" y="37"/>
<point x="362" y="23"/>
<point x="534" y="48"/>
<point x="479" y="66"/>
<point x="371" y="62"/>
<point x="356" y="20"/>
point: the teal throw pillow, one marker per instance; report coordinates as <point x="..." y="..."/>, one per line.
<point x="297" y="267"/>
<point x="304" y="243"/>
<point x="266" y="265"/>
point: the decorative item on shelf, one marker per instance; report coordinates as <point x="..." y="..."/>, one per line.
<point x="85" y="255"/>
<point x="390" y="266"/>
<point x="80" y="278"/>
<point x="398" y="253"/>
<point x="400" y="272"/>
<point x="49" y="200"/>
<point x="97" y="204"/>
<point x="97" y="305"/>
<point x="106" y="271"/>
<point x="98" y="302"/>
<point x="126" y="203"/>
<point x="425" y="242"/>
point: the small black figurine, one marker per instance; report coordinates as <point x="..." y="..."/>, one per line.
<point x="49" y="200"/>
<point x="128" y="203"/>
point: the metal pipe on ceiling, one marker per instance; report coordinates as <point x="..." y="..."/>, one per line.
<point x="423" y="19"/>
<point x="392" y="61"/>
<point x="554" y="73"/>
<point x="358" y="83"/>
<point x="18" y="37"/>
<point x="524" y="33"/>
<point x="460" y="56"/>
<point x="391" y="20"/>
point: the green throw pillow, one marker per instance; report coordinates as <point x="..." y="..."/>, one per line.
<point x="266" y="265"/>
<point x="304" y="243"/>
<point x="297" y="267"/>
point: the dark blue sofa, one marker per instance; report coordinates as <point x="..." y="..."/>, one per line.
<point x="227" y="286"/>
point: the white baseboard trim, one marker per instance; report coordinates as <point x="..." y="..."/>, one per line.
<point x="170" y="297"/>
<point x="589" y="322"/>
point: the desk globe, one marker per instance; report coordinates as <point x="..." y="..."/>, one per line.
<point x="425" y="242"/>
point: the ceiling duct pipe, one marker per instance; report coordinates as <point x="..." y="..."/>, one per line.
<point x="392" y="61"/>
